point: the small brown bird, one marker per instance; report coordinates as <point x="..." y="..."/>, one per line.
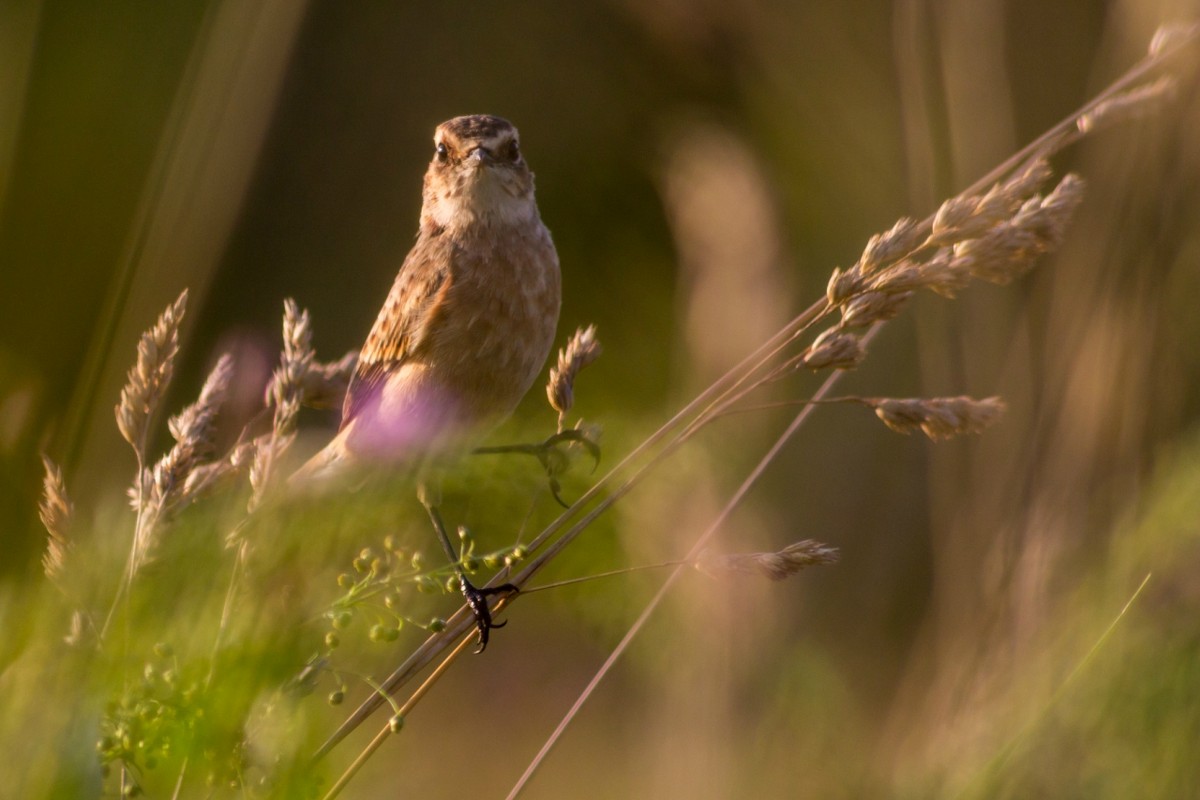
<point x="467" y="325"/>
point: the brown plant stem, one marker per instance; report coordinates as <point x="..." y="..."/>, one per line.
<point x="402" y="713"/>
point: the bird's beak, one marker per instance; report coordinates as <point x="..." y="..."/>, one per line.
<point x="479" y="155"/>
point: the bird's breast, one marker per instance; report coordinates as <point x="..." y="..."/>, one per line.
<point x="501" y="314"/>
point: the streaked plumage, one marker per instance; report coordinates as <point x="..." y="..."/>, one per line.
<point x="471" y="317"/>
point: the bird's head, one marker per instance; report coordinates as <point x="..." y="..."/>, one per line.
<point x="477" y="175"/>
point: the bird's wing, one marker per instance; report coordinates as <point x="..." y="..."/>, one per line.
<point x="412" y="310"/>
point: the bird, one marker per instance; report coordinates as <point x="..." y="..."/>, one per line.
<point x="465" y="330"/>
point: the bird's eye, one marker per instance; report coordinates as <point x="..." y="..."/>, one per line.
<point x="514" y="151"/>
<point x="442" y="152"/>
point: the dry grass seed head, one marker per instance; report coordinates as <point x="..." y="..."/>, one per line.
<point x="149" y="377"/>
<point x="873" y="306"/>
<point x="936" y="273"/>
<point x="1058" y="206"/>
<point x="1029" y="181"/>
<point x="285" y="395"/>
<point x="582" y="349"/>
<point x="56" y="511"/>
<point x="970" y="216"/>
<point x="775" y="566"/>
<point x="1005" y="253"/>
<point x="268" y="448"/>
<point x="937" y="417"/>
<point x="1008" y="250"/>
<point x="844" y="284"/>
<point x="834" y="349"/>
<point x="205" y="478"/>
<point x="287" y="383"/>
<point x="961" y="218"/>
<point x="193" y="427"/>
<point x="193" y="430"/>
<point x="883" y="248"/>
<point x="940" y="276"/>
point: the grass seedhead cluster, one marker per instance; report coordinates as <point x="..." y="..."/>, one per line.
<point x="582" y="349"/>
<point x="285" y="396"/>
<point x="776" y="566"/>
<point x="55" y="511"/>
<point x="937" y="417"/>
<point x="995" y="237"/>
<point x="171" y="483"/>
<point x="149" y="377"/>
<point x="834" y="349"/>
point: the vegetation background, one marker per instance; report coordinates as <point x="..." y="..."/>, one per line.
<point x="703" y="166"/>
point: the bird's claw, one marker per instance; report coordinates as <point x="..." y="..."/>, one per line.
<point x="554" y="461"/>
<point x="477" y="600"/>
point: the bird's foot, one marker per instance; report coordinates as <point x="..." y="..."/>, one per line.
<point x="477" y="599"/>
<point x="555" y="459"/>
<point x="553" y="455"/>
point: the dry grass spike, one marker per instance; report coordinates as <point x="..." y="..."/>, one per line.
<point x="582" y="349"/>
<point x="165" y="486"/>
<point x="834" y="349"/>
<point x="285" y="395"/>
<point x="936" y="417"/>
<point x="1008" y="250"/>
<point x="874" y="306"/>
<point x="775" y="566"/>
<point x="194" y="427"/>
<point x="148" y="379"/>
<point x="56" y="511"/>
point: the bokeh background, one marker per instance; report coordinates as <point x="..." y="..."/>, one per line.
<point x="703" y="166"/>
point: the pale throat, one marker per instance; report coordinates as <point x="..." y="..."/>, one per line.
<point x="480" y="200"/>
